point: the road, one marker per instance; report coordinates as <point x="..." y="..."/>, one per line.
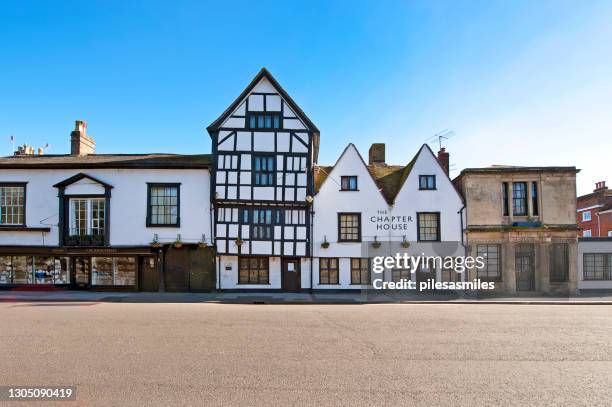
<point x="352" y="355"/>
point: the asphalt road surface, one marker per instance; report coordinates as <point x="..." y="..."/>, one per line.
<point x="353" y="355"/>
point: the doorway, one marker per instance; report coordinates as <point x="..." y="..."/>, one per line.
<point x="291" y="275"/>
<point x="524" y="263"/>
<point x="82" y="272"/>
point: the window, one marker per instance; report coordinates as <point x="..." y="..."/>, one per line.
<point x="597" y="266"/>
<point x="534" y="199"/>
<point x="400" y="274"/>
<point x="295" y="217"/>
<point x="349" y="227"/>
<point x="264" y="120"/>
<point x="348" y="183"/>
<point x="360" y="271"/>
<point x="586" y="216"/>
<point x="559" y="262"/>
<point x="428" y="226"/>
<point x="586" y="233"/>
<point x="427" y="182"/>
<point x="87" y="216"/>
<point x="491" y="255"/>
<point x="328" y="271"/>
<point x="610" y="233"/>
<point x="253" y="270"/>
<point x="113" y="271"/>
<point x="263" y="170"/>
<point x="519" y="198"/>
<point x="505" y="198"/>
<point x="262" y="223"/>
<point x="12" y="204"/>
<point x="448" y="273"/>
<point x="164" y="205"/>
<point x="34" y="270"/>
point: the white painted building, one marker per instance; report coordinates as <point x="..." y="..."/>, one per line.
<point x="90" y="220"/>
<point x="411" y="209"/>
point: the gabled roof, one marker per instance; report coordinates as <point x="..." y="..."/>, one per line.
<point x="388" y="178"/>
<point x="78" y="177"/>
<point x="263" y="73"/>
<point x="67" y="161"/>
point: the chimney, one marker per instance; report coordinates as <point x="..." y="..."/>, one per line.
<point x="377" y="153"/>
<point x="24" y="150"/>
<point x="444" y="159"/>
<point x="80" y="142"/>
<point x="600" y="186"/>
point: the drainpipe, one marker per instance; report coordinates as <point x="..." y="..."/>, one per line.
<point x="311" y="247"/>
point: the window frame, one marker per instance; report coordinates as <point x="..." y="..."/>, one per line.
<point x="348" y="178"/>
<point x="340" y="215"/>
<point x="438" y="227"/>
<point x="328" y="269"/>
<point x="255" y="172"/>
<point x="498" y="276"/>
<point x="150" y="186"/>
<point x="88" y="214"/>
<point x="524" y="199"/>
<point x="587" y="233"/>
<point x="259" y="270"/>
<point x="505" y="208"/>
<point x="535" y="207"/>
<point x="369" y="275"/>
<point x="12" y="185"/>
<point x="584" y="219"/>
<point x="263" y="115"/>
<point x="427" y="177"/>
<point x="606" y="266"/>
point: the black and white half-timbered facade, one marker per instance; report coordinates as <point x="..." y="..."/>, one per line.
<point x="264" y="150"/>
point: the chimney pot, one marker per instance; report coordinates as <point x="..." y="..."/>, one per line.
<point x="80" y="142"/>
<point x="600" y="186"/>
<point x="376" y="154"/>
<point x="444" y="160"/>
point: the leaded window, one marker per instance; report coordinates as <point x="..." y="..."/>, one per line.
<point x="253" y="270"/>
<point x="519" y="198"/>
<point x="597" y="266"/>
<point x="349" y="227"/>
<point x="263" y="170"/>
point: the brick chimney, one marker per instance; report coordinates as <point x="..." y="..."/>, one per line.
<point x="600" y="186"/>
<point x="80" y="142"/>
<point x="376" y="154"/>
<point x="444" y="159"/>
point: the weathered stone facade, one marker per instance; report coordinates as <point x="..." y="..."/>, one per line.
<point x="524" y="219"/>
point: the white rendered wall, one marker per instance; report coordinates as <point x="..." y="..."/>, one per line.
<point x="128" y="204"/>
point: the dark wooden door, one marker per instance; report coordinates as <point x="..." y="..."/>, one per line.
<point x="149" y="275"/>
<point x="82" y="272"/>
<point x="524" y="265"/>
<point x="291" y="275"/>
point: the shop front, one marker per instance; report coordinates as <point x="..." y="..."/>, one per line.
<point x="93" y="268"/>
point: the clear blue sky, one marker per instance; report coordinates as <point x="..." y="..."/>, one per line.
<point x="519" y="82"/>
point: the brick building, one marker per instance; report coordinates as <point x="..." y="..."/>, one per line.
<point x="594" y="212"/>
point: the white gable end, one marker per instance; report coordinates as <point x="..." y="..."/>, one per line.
<point x="84" y="186"/>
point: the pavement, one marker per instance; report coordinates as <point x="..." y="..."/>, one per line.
<point x="194" y="354"/>
<point x="353" y="297"/>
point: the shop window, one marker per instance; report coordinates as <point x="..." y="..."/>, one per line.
<point x="34" y="270"/>
<point x="253" y="270"/>
<point x="115" y="271"/>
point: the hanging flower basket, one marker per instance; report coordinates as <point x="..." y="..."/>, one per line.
<point x="405" y="243"/>
<point x="202" y="245"/>
<point x="325" y="243"/>
<point x="156" y="245"/>
<point x="239" y="242"/>
<point x="376" y="244"/>
<point x="178" y="243"/>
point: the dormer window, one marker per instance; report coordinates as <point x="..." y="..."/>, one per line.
<point x="427" y="182"/>
<point x="264" y="120"/>
<point x="348" y="183"/>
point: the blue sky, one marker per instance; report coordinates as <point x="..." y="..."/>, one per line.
<point x="519" y="82"/>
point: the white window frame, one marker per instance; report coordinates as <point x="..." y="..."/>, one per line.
<point x="90" y="220"/>
<point x="586" y="216"/>
<point x="586" y="233"/>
